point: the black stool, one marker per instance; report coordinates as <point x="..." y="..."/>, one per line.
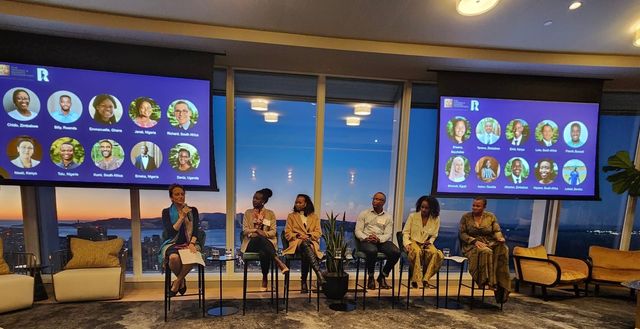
<point x="380" y="259"/>
<point x="288" y="259"/>
<point x="404" y="256"/>
<point x="255" y="257"/>
<point x="167" y="288"/>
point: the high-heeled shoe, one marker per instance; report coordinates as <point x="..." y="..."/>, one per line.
<point x="183" y="289"/>
<point x="172" y="293"/>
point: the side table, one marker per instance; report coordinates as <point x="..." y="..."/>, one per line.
<point x="460" y="261"/>
<point x="222" y="310"/>
<point x="39" y="291"/>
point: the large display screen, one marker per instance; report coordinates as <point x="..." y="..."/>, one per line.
<point x="63" y="126"/>
<point x="517" y="148"/>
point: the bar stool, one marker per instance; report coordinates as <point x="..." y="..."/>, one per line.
<point x="255" y="257"/>
<point x="167" y="288"/>
<point x="380" y="259"/>
<point x="473" y="289"/>
<point x="404" y="256"/>
<point x="296" y="257"/>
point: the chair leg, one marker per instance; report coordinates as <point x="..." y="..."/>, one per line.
<point x="596" y="290"/>
<point x="409" y="273"/>
<point x="438" y="289"/>
<point x="400" y="280"/>
<point x="517" y="285"/>
<point x="533" y="290"/>
<point x="472" y="290"/>
<point x="364" y="289"/>
<point x="202" y="286"/>
<point x="355" y="295"/>
<point x="277" y="292"/>
<point x="287" y="276"/>
<point x="586" y="289"/>
<point x="544" y="293"/>
<point x="271" y="267"/>
<point x="380" y="288"/>
<point x="244" y="289"/>
<point x="576" y="290"/>
<point x="393" y="287"/>
<point x="483" y="288"/>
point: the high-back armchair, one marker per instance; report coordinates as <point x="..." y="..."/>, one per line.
<point x="89" y="270"/>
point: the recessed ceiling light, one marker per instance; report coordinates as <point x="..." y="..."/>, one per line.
<point x="548" y="23"/>
<point x="270" y="117"/>
<point x="575" y="5"/>
<point x="362" y="109"/>
<point x="353" y="121"/>
<point x="259" y="104"/>
<point x="475" y="7"/>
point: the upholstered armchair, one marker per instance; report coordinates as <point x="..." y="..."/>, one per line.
<point x="15" y="283"/>
<point x="536" y="267"/>
<point x="612" y="266"/>
<point x="89" y="270"/>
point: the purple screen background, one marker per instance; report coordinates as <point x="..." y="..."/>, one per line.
<point x="533" y="112"/>
<point x="126" y="87"/>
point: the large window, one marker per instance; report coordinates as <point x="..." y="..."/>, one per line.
<point x="273" y="152"/>
<point x="94" y="213"/>
<point x="587" y="223"/>
<point x="11" y="228"/>
<point x="360" y="143"/>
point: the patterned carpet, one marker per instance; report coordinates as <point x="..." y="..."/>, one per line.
<point x="520" y="312"/>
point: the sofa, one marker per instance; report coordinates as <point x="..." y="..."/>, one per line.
<point x="534" y="266"/>
<point x="89" y="270"/>
<point x="15" y="283"/>
<point x="612" y="266"/>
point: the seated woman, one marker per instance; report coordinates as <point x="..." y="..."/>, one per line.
<point x="303" y="233"/>
<point x="181" y="224"/>
<point x="419" y="233"/>
<point x="484" y="245"/>
<point x="259" y="234"/>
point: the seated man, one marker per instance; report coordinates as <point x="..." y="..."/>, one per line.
<point x="374" y="229"/>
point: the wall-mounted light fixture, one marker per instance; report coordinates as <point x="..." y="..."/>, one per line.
<point x="475" y="7"/>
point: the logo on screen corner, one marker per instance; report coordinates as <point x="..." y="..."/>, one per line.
<point x="474" y="106"/>
<point x="42" y="74"/>
<point x="448" y="103"/>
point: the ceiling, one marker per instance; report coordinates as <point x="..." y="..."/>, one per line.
<point x="400" y="39"/>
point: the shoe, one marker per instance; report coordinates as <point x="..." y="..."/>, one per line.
<point x="172" y="293"/>
<point x="502" y="295"/>
<point x="281" y="266"/>
<point x="303" y="287"/>
<point x="183" y="289"/>
<point x="264" y="285"/>
<point x="414" y="285"/>
<point x="371" y="285"/>
<point x="382" y="282"/>
<point x="425" y="284"/>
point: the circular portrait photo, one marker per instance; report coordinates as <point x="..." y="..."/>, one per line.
<point x="516" y="170"/>
<point x="547" y="133"/>
<point x="517" y="132"/>
<point x="458" y="129"/>
<point x="24" y="152"/>
<point x="488" y="131"/>
<point x="574" y="172"/>
<point x="21" y="104"/>
<point x="184" y="157"/>
<point x="575" y="134"/>
<point x="546" y="171"/>
<point x="146" y="156"/>
<point x="487" y="169"/>
<point x="144" y="112"/>
<point x="66" y="153"/>
<point x="107" y="154"/>
<point x="105" y="109"/>
<point x="457" y="168"/>
<point x="182" y="114"/>
<point x="64" y="106"/>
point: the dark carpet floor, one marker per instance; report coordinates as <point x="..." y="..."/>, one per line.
<point x="520" y="312"/>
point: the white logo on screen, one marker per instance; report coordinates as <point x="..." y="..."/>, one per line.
<point x="448" y="102"/>
<point x="475" y="105"/>
<point x="42" y="74"/>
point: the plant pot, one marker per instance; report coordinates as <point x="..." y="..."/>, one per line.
<point x="336" y="286"/>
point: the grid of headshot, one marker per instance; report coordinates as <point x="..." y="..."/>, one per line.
<point x="513" y="152"/>
<point x="105" y="132"/>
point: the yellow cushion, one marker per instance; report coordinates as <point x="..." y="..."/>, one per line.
<point x="4" y="267"/>
<point x="92" y="254"/>
<point x="614" y="259"/>
<point x="535" y="252"/>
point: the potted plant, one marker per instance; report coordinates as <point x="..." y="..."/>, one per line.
<point x="626" y="177"/>
<point x="337" y="280"/>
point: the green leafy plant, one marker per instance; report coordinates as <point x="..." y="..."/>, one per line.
<point x="626" y="177"/>
<point x="336" y="244"/>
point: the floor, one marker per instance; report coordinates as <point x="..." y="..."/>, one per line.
<point x="143" y="308"/>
